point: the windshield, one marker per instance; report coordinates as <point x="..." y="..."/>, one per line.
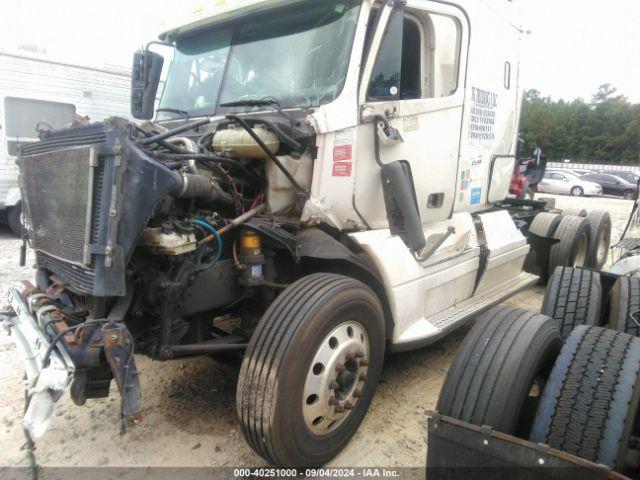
<point x="298" y="55"/>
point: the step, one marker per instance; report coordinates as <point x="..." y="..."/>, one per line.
<point x="457" y="316"/>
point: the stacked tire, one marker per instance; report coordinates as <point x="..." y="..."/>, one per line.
<point x="513" y="375"/>
<point x="590" y="402"/>
<point x="573" y="297"/>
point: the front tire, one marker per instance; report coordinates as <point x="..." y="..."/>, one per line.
<point x="311" y="370"/>
<point x="630" y="195"/>
<point x="14" y="219"/>
<point x="577" y="192"/>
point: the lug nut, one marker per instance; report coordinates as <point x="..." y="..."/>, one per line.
<point x="350" y="356"/>
<point x="348" y="405"/>
<point x="359" y="354"/>
<point x="333" y="401"/>
<point x="363" y="363"/>
<point x="334" y="386"/>
<point x="363" y="377"/>
<point x="357" y="393"/>
<point x="340" y="368"/>
<point x="339" y="409"/>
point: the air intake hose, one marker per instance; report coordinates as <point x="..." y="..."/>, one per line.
<point x="197" y="186"/>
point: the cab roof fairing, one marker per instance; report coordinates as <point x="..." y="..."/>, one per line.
<point x="222" y="11"/>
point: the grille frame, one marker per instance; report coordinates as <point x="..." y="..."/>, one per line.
<point x="121" y="195"/>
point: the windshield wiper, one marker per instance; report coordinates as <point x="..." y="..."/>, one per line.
<point x="177" y="111"/>
<point x="264" y="102"/>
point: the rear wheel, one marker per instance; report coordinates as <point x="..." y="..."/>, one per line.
<point x="500" y="370"/>
<point x="624" y="306"/>
<point x="573" y="248"/>
<point x="600" y="228"/>
<point x="14" y="219"/>
<point x="573" y="297"/>
<point x="590" y="402"/>
<point x="577" y="191"/>
<point x="545" y="224"/>
<point x="311" y="369"/>
<point x="574" y="212"/>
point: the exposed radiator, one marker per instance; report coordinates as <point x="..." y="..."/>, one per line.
<point x="87" y="194"/>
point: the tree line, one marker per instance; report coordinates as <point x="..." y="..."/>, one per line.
<point x="605" y="130"/>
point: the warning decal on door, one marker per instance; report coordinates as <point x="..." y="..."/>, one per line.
<point x="342" y="169"/>
<point x="343" y="153"/>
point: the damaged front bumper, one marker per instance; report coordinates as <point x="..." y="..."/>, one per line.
<point x="58" y="357"/>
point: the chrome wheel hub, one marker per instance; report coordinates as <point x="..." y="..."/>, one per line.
<point x="335" y="378"/>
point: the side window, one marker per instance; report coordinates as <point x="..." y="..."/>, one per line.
<point x="445" y="61"/>
<point x="419" y="58"/>
<point x="385" y="76"/>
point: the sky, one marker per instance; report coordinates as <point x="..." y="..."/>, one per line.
<point x="574" y="45"/>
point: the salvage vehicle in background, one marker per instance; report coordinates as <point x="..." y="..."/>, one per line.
<point x="37" y="95"/>
<point x="337" y="191"/>
<point x="613" y="184"/>
<point x="565" y="183"/>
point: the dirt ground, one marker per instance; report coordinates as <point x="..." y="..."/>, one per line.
<point x="189" y="405"/>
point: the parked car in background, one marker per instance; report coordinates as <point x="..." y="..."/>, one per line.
<point x="563" y="182"/>
<point x="613" y="184"/>
<point x="630" y="177"/>
<point x="578" y="171"/>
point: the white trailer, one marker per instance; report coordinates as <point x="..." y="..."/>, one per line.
<point x="36" y="89"/>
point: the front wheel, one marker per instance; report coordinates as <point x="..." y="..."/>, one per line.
<point x="310" y="371"/>
<point x="630" y="195"/>
<point x="577" y="192"/>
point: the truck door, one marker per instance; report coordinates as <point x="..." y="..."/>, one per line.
<point x="414" y="75"/>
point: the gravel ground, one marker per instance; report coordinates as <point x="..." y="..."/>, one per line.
<point x="189" y="405"/>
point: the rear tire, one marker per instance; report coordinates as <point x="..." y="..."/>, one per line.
<point x="574" y="235"/>
<point x="624" y="306"/>
<point x="573" y="297"/>
<point x="590" y="401"/>
<point x="600" y="228"/>
<point x="285" y="378"/>
<point x="545" y="224"/>
<point x="492" y="378"/>
<point x="574" y="212"/>
<point x="548" y="201"/>
<point x="14" y="219"/>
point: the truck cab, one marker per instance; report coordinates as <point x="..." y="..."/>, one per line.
<point x="319" y="186"/>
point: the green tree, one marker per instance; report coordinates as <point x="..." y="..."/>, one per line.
<point x="606" y="130"/>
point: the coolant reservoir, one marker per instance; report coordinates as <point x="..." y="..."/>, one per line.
<point x="281" y="194"/>
<point x="235" y="142"/>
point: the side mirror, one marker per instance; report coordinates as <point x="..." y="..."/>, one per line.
<point x="401" y="203"/>
<point x="145" y="78"/>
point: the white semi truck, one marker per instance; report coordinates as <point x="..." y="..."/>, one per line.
<point x="324" y="182"/>
<point x="40" y="93"/>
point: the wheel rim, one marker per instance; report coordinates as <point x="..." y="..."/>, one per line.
<point x="576" y="192"/>
<point x="582" y="250"/>
<point x="336" y="378"/>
